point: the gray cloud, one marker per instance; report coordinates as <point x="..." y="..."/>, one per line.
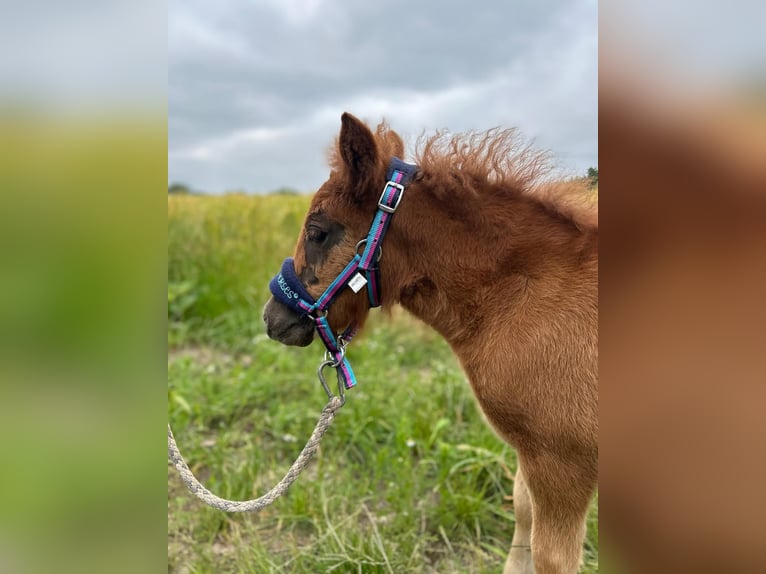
<point x="256" y="89"/>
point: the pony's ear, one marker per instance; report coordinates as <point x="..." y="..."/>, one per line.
<point x="359" y="153"/>
<point x="395" y="144"/>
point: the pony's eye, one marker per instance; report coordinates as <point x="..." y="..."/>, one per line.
<point x="316" y="235"/>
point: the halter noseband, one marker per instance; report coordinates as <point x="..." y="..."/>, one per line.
<point x="361" y="271"/>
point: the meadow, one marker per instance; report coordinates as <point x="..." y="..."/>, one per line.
<point x="408" y="479"/>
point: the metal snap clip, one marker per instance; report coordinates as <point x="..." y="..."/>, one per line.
<point x="325" y="386"/>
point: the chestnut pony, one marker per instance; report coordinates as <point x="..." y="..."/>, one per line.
<point x="504" y="265"/>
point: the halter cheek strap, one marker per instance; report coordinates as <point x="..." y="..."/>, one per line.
<point x="362" y="270"/>
<point x="399" y="175"/>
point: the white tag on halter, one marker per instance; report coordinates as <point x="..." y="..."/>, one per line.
<point x="357" y="282"/>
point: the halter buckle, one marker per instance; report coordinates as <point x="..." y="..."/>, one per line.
<point x="381" y="202"/>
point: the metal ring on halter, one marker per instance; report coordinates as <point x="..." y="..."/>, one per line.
<point x="318" y="313"/>
<point x="336" y="364"/>
<point x="364" y="242"/>
<point x="326" y="387"/>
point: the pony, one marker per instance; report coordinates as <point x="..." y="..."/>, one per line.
<point x="502" y="261"/>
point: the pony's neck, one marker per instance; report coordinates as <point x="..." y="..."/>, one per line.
<point x="459" y="265"/>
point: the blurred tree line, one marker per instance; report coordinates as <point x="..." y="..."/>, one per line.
<point x="593" y="176"/>
<point x="178" y="189"/>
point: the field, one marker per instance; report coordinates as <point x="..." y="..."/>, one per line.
<point x="408" y="479"/>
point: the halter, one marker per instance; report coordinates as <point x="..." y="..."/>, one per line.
<point x="361" y="271"/>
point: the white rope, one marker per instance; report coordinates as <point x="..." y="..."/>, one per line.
<point x="194" y="485"/>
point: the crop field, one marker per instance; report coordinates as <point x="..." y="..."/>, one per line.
<point x="409" y="478"/>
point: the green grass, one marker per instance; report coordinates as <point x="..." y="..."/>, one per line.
<point x="408" y="479"/>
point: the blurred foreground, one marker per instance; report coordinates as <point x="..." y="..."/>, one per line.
<point x="682" y="313"/>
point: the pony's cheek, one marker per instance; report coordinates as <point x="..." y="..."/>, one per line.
<point x="349" y="308"/>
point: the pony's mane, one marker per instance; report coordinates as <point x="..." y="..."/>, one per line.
<point x="496" y="161"/>
<point x="466" y="163"/>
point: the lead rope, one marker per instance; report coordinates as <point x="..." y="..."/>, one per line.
<point x="194" y="485"/>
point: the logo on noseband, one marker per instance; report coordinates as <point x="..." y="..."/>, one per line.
<point x="286" y="288"/>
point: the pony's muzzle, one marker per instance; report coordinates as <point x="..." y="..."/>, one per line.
<point x="285" y="326"/>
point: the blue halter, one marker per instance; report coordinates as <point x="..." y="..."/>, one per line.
<point x="361" y="271"/>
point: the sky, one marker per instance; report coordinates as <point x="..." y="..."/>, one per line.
<point x="256" y="88"/>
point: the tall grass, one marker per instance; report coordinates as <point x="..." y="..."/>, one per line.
<point x="222" y="252"/>
<point x="409" y="479"/>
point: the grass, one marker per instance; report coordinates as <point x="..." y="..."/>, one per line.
<point x="408" y="479"/>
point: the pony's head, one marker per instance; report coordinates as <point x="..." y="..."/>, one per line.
<point x="339" y="217"/>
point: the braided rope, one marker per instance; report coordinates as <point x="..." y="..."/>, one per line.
<point x="324" y="422"/>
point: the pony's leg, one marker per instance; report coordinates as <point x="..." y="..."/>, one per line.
<point x="520" y="557"/>
<point x="560" y="494"/>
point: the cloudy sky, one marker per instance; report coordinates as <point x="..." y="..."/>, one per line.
<point x="257" y="87"/>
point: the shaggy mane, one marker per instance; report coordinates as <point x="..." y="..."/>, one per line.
<point x="466" y="163"/>
<point x="501" y="158"/>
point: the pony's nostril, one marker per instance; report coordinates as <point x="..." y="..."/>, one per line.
<point x="293" y="325"/>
